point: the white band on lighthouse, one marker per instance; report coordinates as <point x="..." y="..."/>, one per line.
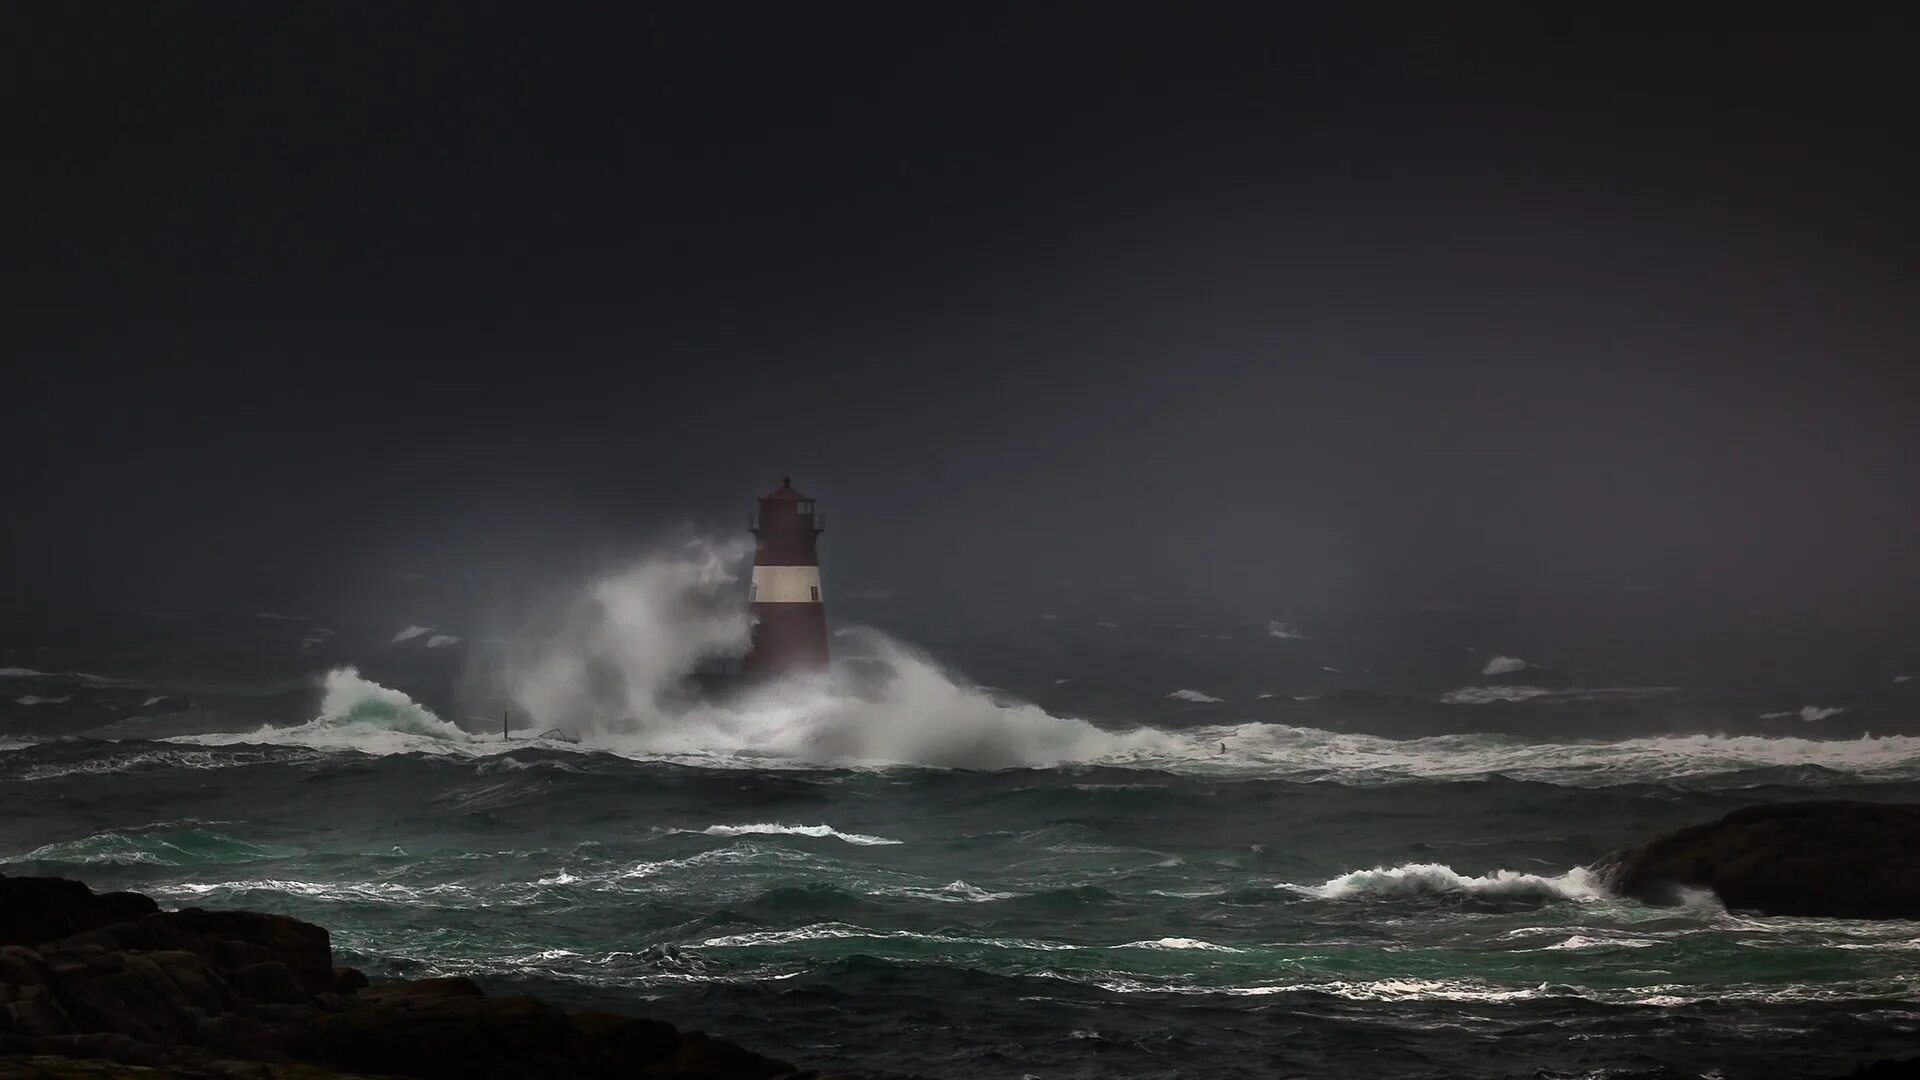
<point x="786" y="585"/>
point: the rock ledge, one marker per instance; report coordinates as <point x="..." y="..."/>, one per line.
<point x="98" y="985"/>
<point x="1831" y="859"/>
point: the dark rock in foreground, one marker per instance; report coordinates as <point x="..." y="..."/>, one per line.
<point x="1845" y="860"/>
<point x="109" y="985"/>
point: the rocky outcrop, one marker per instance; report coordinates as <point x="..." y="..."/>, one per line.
<point x="1848" y="860"/>
<point x="109" y="985"/>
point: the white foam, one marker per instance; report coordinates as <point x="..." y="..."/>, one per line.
<point x="1504" y="665"/>
<point x="1177" y="944"/>
<point x="1581" y="943"/>
<point x="839" y="931"/>
<point x="160" y="759"/>
<point x="953" y="892"/>
<point x="386" y="892"/>
<point x="357" y="714"/>
<point x="411" y="632"/>
<point x="281" y="618"/>
<point x="1198" y="697"/>
<point x="1811" y="713"/>
<point x="1487" y="695"/>
<point x="1278" y="629"/>
<point x="774" y="829"/>
<point x="35" y="699"/>
<point x="1435" y="879"/>
<point x="439" y="640"/>
<point x="613" y="666"/>
<point x="154" y="700"/>
<point x="1902" y="678"/>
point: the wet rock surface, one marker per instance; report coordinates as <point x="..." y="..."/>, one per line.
<point x="1829" y="859"/>
<point x="95" y="985"/>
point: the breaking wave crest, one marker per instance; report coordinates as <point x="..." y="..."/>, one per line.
<point x="610" y="668"/>
<point x="1437" y="880"/>
<point x="153" y="846"/>
<point x="797" y="830"/>
<point x="917" y="715"/>
<point x="356" y="714"/>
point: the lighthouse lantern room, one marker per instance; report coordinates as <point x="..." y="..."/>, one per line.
<point x="790" y="622"/>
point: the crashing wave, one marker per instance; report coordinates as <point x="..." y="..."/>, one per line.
<point x="612" y="672"/>
<point x="1436" y="879"/>
<point x="356" y="714"/>
<point x="771" y="829"/>
<point x="920" y="716"/>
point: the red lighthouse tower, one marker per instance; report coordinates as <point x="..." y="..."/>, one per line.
<point x="790" y="623"/>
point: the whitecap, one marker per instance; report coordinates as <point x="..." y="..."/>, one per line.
<point x="1177" y="943"/>
<point x="953" y="892"/>
<point x="1580" y="942"/>
<point x="35" y="699"/>
<point x="776" y="829"/>
<point x="411" y="632"/>
<point x="1504" y="665"/>
<point x="385" y="892"/>
<point x="1436" y="879"/>
<point x="357" y="714"/>
<point x="1198" y="697"/>
<point x="439" y="640"/>
<point x="1487" y="695"/>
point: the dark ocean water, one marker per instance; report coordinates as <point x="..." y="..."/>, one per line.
<point x="930" y="880"/>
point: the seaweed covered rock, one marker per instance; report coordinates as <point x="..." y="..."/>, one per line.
<point x="1833" y="859"/>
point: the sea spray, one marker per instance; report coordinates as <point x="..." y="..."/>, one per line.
<point x="616" y="655"/>
<point x="609" y="665"/>
<point x="913" y="713"/>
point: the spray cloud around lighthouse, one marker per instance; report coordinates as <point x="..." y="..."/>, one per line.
<point x="617" y="653"/>
<point x="611" y="666"/>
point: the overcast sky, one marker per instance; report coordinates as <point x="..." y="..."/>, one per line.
<point x="1234" y="316"/>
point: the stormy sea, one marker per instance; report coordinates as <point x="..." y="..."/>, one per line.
<point x="1110" y="869"/>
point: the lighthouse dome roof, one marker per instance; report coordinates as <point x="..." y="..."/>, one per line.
<point x="785" y="491"/>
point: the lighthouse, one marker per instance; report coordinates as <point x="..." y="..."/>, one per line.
<point x="790" y="622"/>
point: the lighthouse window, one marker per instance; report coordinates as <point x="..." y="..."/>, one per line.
<point x="806" y="506"/>
<point x="816" y="594"/>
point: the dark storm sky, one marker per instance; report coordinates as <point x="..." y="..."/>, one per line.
<point x="1242" y="317"/>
